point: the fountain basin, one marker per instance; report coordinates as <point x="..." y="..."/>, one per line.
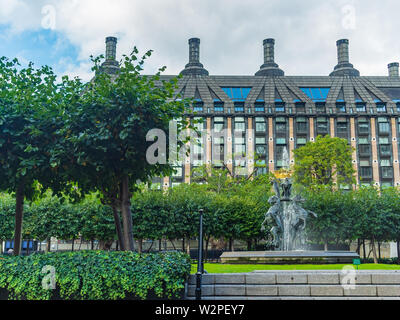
<point x="288" y="257"/>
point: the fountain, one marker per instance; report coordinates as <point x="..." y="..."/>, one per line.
<point x="288" y="220"/>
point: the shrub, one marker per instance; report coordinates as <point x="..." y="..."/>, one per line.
<point x="96" y="275"/>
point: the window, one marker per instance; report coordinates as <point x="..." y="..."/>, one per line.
<point x="342" y="128"/>
<point x="259" y="107"/>
<point x="279" y="107"/>
<point x="300" y="106"/>
<point x="383" y="140"/>
<point x="387" y="172"/>
<point x="320" y="107"/>
<point x="280" y="140"/>
<point x="261" y="126"/>
<point x="178" y="172"/>
<point x="340" y="107"/>
<point x="380" y="107"/>
<point x="360" y="107"/>
<point x="198" y="149"/>
<point x="219" y="106"/>
<point x="385" y="163"/>
<point x="364" y="149"/>
<point x="219" y="124"/>
<point x="383" y="127"/>
<point x="316" y="94"/>
<point x="198" y="107"/>
<point x="322" y="126"/>
<point x="301" y="142"/>
<point x="363" y="140"/>
<point x="240" y="148"/>
<point x="240" y="125"/>
<point x="236" y="93"/>
<point x="239" y="140"/>
<point x="364" y="163"/>
<point x="363" y="128"/>
<point x="239" y="107"/>
<point x="280" y="127"/>
<point x="219" y="140"/>
<point x="260" y="140"/>
<point x="261" y="150"/>
<point x="366" y="172"/>
<point x="385" y="150"/>
<point x="301" y="125"/>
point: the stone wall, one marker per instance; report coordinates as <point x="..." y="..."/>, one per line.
<point x="277" y="285"/>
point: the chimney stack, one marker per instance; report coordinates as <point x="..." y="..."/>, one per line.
<point x="194" y="67"/>
<point x="111" y="48"/>
<point x="269" y="50"/>
<point x="111" y="65"/>
<point x="393" y="69"/>
<point x="344" y="67"/>
<point x="269" y="68"/>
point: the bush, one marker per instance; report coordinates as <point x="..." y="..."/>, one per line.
<point x="96" y="275"/>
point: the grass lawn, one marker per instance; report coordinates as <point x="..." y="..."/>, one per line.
<point x="233" y="268"/>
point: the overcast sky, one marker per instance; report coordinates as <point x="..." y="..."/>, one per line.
<point x="64" y="33"/>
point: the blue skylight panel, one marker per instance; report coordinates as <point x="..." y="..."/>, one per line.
<point x="316" y="94"/>
<point x="237" y="93"/>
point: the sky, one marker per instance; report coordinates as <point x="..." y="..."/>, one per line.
<point x="64" y="33"/>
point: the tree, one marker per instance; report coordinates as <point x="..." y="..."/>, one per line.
<point x="29" y="105"/>
<point x="325" y="162"/>
<point x="105" y="134"/>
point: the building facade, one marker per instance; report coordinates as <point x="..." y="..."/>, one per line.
<point x="265" y="113"/>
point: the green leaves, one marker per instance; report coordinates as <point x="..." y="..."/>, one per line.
<point x="96" y="275"/>
<point x="325" y="162"/>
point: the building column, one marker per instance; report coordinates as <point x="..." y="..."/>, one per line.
<point x="332" y="127"/>
<point x="396" y="169"/>
<point x="165" y="183"/>
<point x="354" y="145"/>
<point x="311" y="127"/>
<point x="187" y="158"/>
<point x="271" y="155"/>
<point x="229" y="151"/>
<point x="375" y="165"/>
<point x="250" y="146"/>
<point x="208" y="148"/>
<point x="291" y="140"/>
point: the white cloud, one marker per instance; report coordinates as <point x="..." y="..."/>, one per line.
<point x="231" y="31"/>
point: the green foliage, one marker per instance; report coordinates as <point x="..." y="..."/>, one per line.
<point x="319" y="163"/>
<point x="96" y="275"/>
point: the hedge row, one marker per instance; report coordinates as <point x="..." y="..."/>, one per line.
<point x="95" y="275"/>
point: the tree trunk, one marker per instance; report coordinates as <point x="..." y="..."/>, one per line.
<point x="231" y="244"/>
<point x="92" y="245"/>
<point x="118" y="229"/>
<point x="183" y="244"/>
<point x="19" y="216"/>
<point x="140" y="245"/>
<point x="398" y="251"/>
<point x="326" y="246"/>
<point x="379" y="249"/>
<point x="358" y="246"/>
<point x="27" y="246"/>
<point x="73" y="245"/>
<point x="48" y="244"/>
<point x="248" y="245"/>
<point x="206" y="252"/>
<point x="127" y="216"/>
<point x="159" y="245"/>
<point x="364" y="251"/>
<point x="374" y="250"/>
<point x="173" y="245"/>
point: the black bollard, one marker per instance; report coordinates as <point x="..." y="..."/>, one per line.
<point x="200" y="266"/>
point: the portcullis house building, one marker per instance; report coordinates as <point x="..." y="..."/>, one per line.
<point x="277" y="112"/>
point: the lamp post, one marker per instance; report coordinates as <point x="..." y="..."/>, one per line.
<point x="200" y="267"/>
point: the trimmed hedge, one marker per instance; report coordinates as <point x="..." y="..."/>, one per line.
<point x="95" y="275"/>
